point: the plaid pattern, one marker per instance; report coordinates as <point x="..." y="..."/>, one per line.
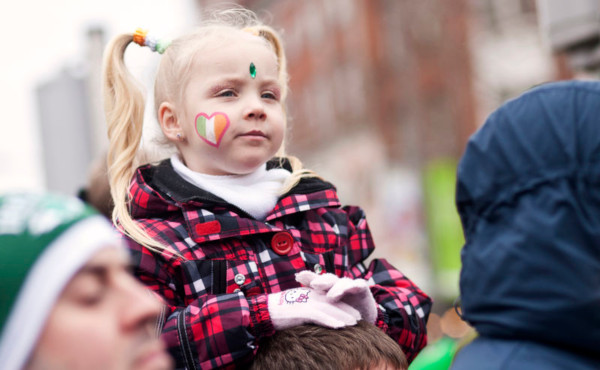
<point x="217" y="296"/>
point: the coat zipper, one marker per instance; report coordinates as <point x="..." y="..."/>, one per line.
<point x="185" y="344"/>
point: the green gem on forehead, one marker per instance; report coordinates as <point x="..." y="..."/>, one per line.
<point x="252" y="70"/>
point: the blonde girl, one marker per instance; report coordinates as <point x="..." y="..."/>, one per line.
<point x="238" y="238"/>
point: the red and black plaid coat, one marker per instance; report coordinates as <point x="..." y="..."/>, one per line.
<point x="217" y="296"/>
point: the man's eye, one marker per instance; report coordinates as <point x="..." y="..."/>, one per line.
<point x="91" y="299"/>
<point x="90" y="295"/>
<point x="88" y="290"/>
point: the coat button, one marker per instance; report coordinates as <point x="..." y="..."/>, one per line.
<point x="239" y="279"/>
<point x="282" y="243"/>
<point x="318" y="268"/>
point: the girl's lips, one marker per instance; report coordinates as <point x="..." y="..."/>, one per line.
<point x="255" y="133"/>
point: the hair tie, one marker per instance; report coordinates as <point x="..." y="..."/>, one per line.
<point x="142" y="38"/>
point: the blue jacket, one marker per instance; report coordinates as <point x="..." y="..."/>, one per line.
<point x="528" y="195"/>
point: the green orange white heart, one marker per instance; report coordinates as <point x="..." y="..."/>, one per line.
<point x="212" y="128"/>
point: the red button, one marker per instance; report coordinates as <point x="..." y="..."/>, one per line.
<point x="282" y="243"/>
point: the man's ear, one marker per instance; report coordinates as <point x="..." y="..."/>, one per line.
<point x="169" y="123"/>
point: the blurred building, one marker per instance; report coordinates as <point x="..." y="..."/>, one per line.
<point x="64" y="117"/>
<point x="71" y="120"/>
<point x="573" y="29"/>
<point x="508" y="52"/>
<point x="396" y="70"/>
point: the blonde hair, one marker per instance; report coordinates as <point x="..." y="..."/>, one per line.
<point x="124" y="104"/>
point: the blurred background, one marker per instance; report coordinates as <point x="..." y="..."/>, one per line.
<point x="384" y="96"/>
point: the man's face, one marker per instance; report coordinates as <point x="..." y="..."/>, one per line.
<point x="104" y="319"/>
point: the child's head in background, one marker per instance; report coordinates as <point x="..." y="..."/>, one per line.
<point x="309" y="347"/>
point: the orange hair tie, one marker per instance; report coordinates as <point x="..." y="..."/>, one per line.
<point x="139" y="36"/>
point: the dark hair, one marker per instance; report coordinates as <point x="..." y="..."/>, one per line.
<point x="310" y="347"/>
<point x="96" y="192"/>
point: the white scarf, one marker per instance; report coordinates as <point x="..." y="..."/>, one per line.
<point x="255" y="193"/>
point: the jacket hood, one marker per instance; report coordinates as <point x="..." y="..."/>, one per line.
<point x="528" y="195"/>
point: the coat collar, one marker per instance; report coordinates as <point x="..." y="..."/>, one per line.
<point x="207" y="216"/>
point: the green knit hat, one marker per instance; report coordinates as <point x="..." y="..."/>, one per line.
<point x="44" y="240"/>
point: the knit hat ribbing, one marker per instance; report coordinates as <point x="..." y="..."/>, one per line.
<point x="44" y="240"/>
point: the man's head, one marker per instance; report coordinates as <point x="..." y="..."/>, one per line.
<point x="309" y="347"/>
<point x="67" y="299"/>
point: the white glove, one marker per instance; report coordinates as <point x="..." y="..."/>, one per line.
<point x="298" y="306"/>
<point x="322" y="282"/>
<point x="355" y="292"/>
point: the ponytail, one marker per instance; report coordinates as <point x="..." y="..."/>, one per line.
<point x="124" y="105"/>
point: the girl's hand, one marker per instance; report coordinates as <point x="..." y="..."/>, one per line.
<point x="322" y="282"/>
<point x="299" y="306"/>
<point x="355" y="292"/>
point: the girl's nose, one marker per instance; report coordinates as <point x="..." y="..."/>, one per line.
<point x="257" y="113"/>
<point x="255" y="110"/>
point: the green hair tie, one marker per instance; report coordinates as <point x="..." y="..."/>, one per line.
<point x="162" y="45"/>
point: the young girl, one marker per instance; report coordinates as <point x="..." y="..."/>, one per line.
<point x="237" y="237"/>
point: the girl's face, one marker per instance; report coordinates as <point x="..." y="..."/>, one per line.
<point x="232" y="116"/>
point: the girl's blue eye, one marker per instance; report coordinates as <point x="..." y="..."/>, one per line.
<point x="226" y="93"/>
<point x="269" y="95"/>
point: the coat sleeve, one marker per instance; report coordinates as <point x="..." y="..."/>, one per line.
<point x="209" y="332"/>
<point x="403" y="309"/>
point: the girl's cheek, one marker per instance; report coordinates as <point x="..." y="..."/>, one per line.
<point x="211" y="128"/>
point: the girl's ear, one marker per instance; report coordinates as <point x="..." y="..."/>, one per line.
<point x="169" y="123"/>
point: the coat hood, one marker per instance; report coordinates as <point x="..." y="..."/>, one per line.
<point x="528" y="195"/>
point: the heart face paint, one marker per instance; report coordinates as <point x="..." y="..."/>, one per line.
<point x="212" y="128"/>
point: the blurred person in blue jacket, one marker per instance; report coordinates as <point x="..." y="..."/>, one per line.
<point x="528" y="195"/>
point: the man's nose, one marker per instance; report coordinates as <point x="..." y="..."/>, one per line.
<point x="141" y="306"/>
